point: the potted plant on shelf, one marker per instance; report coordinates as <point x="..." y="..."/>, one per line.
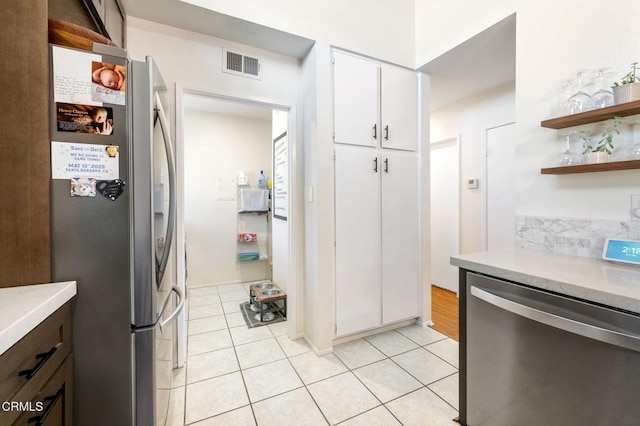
<point x="627" y="89"/>
<point x="600" y="151"/>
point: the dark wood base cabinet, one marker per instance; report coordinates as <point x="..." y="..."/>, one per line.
<point x="36" y="375"/>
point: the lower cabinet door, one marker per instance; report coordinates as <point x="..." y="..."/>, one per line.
<point x="53" y="404"/>
<point x="357" y="213"/>
<point x="400" y="239"/>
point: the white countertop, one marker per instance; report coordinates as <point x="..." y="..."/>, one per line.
<point x="587" y="278"/>
<point x="23" y="308"/>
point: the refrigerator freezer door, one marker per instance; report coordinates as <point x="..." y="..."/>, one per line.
<point x="154" y="365"/>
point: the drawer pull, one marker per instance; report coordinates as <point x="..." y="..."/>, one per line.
<point x="39" y="420"/>
<point x="43" y="357"/>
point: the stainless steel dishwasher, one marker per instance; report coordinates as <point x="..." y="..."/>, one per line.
<point x="542" y="359"/>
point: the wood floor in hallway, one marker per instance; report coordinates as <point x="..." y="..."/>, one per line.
<point x="444" y="307"/>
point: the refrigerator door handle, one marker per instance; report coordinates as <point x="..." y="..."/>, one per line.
<point x="162" y="263"/>
<point x="179" y="308"/>
<point x="612" y="337"/>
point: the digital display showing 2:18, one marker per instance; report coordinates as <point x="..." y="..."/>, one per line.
<point x="627" y="251"/>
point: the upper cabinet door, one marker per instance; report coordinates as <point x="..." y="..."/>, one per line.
<point x="399" y="108"/>
<point x="356" y="103"/>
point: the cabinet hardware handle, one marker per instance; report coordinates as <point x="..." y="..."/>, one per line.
<point x="375" y="164"/>
<point x="386" y="165"/>
<point x="375" y="131"/>
<point x="43" y="357"/>
<point x="386" y="133"/>
<point x="39" y="420"/>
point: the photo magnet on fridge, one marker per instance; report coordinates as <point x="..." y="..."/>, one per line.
<point x="84" y="119"/>
<point x="108" y="83"/>
<point x="83" y="187"/>
<point x="111" y="189"/>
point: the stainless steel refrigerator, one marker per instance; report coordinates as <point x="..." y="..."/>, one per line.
<point x="113" y="213"/>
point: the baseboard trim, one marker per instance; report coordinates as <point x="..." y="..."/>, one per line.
<point x="359" y="335"/>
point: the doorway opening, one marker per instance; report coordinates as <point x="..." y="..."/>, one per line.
<point x="227" y="153"/>
<point x="220" y="141"/>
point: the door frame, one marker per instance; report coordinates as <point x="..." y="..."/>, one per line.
<point x="454" y="141"/>
<point x="295" y="224"/>
<point x="485" y="176"/>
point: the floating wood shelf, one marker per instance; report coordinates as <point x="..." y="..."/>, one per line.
<point x="620" y="110"/>
<point x="587" y="168"/>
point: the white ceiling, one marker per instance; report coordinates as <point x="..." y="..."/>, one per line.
<point x="205" y="21"/>
<point x="483" y="62"/>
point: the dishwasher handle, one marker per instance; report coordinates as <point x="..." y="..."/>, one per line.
<point x="613" y="337"/>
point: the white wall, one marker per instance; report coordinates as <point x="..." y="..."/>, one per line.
<point x="442" y="25"/>
<point x="470" y="118"/>
<point x="216" y="148"/>
<point x="319" y="290"/>
<point x="195" y="61"/>
<point x="378" y="28"/>
<point x="553" y="40"/>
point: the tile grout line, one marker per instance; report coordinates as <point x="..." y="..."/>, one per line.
<point x="288" y="358"/>
<point x="350" y="370"/>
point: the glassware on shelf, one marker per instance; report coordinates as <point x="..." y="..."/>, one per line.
<point x="568" y="157"/>
<point x="633" y="153"/>
<point x="603" y="97"/>
<point x="579" y="101"/>
<point x="566" y="87"/>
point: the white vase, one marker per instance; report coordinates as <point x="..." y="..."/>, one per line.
<point x="597" y="157"/>
<point x="626" y="93"/>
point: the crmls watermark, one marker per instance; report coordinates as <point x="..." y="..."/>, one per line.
<point x="22" y="406"/>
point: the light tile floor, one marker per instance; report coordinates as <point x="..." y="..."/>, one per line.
<point x="240" y="376"/>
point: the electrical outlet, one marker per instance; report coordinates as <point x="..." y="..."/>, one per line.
<point x="635" y="207"/>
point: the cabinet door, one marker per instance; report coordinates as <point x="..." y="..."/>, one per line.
<point x="53" y="404"/>
<point x="356" y="100"/>
<point x="400" y="236"/>
<point x="357" y="214"/>
<point x="114" y="22"/>
<point x="399" y="108"/>
<point x="100" y="8"/>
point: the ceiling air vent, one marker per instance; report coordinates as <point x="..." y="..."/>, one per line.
<point x="239" y="64"/>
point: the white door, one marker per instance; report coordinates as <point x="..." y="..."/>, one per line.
<point x="400" y="236"/>
<point x="445" y="212"/>
<point x="501" y="188"/>
<point x="356" y="100"/>
<point x="357" y="212"/>
<point x="399" y="98"/>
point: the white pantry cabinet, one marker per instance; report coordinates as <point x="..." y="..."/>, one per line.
<point x="376" y="208"/>
<point x="400" y="235"/>
<point x="375" y="104"/>
<point x="358" y="243"/>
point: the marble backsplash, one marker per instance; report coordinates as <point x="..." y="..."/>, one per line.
<point x="578" y="237"/>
